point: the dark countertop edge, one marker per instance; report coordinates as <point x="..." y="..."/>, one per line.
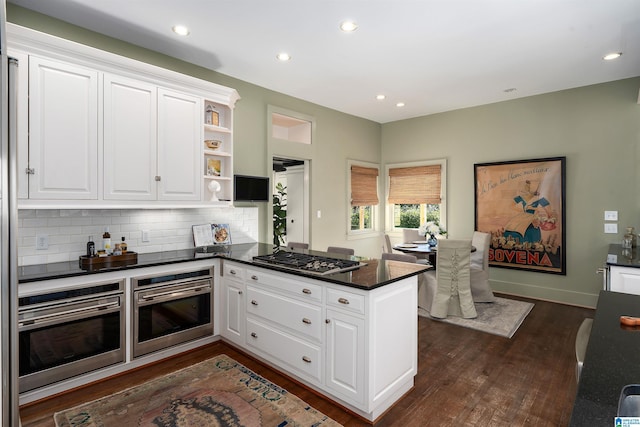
<point x="331" y="278"/>
<point x="69" y="269"/>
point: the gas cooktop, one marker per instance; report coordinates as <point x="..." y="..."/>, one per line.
<point x="307" y="263"/>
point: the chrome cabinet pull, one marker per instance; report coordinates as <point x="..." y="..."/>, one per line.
<point x="306" y="291"/>
<point x="158" y="178"/>
<point x="254" y="302"/>
<point x="254" y="335"/>
<point x="343" y="301"/>
<point x="232" y="271"/>
<point x="239" y="292"/>
<point x="254" y="277"/>
<point x="306" y="359"/>
<point x="30" y="171"/>
<point x="305" y="320"/>
<point x="327" y="321"/>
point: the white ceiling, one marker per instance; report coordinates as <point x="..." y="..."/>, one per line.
<point x="433" y="55"/>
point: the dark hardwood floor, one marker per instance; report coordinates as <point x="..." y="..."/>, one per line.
<point x="465" y="377"/>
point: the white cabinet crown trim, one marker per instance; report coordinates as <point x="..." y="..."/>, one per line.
<point x="36" y="42"/>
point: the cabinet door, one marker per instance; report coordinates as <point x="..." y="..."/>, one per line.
<point x="129" y="139"/>
<point x="625" y="280"/>
<point x="233" y="311"/>
<point x="22" y="125"/>
<point x="63" y="126"/>
<point x="345" y="355"/>
<point x="179" y="146"/>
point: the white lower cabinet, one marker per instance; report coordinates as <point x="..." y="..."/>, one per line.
<point x="357" y="347"/>
<point x="345" y="356"/>
<point x="292" y="353"/>
<point x="624" y="279"/>
<point x="232" y="305"/>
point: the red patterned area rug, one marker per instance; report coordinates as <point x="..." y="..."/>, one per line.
<point x="218" y="392"/>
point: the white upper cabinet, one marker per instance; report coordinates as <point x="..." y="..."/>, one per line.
<point x="179" y="146"/>
<point x="130" y="135"/>
<point x="63" y="131"/>
<point x="98" y="130"/>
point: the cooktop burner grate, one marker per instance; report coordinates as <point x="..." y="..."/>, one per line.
<point x="308" y="263"/>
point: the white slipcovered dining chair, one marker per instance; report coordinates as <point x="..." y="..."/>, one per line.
<point x="387" y="247"/>
<point x="297" y="245"/>
<point x="410" y="235"/>
<point x="340" y="250"/>
<point x="447" y="290"/>
<point x="399" y="257"/>
<point x="480" y="289"/>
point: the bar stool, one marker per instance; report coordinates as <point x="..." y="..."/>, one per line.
<point x="582" y="339"/>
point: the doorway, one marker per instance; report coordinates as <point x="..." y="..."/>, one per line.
<point x="293" y="176"/>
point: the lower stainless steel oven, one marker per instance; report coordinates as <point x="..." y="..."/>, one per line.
<point x="69" y="332"/>
<point x="171" y="309"/>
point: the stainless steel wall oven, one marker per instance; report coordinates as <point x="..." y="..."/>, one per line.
<point x="171" y="309"/>
<point x="70" y="332"/>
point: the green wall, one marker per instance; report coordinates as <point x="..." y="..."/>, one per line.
<point x="596" y="127"/>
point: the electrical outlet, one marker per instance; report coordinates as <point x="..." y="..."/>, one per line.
<point x="145" y="235"/>
<point x="611" y="228"/>
<point x="42" y="242"/>
<point x="610" y="215"/>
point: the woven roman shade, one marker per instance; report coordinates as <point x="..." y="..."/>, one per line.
<point x="415" y="185"/>
<point x="364" y="186"/>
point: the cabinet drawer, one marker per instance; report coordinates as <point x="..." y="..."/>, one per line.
<point x="297" y="288"/>
<point x="290" y="313"/>
<point x="299" y="357"/>
<point x="232" y="271"/>
<point x="345" y="300"/>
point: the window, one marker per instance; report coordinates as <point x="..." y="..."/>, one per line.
<point x="363" y="197"/>
<point x="416" y="194"/>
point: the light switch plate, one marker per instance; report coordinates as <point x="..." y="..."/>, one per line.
<point x="611" y="228"/>
<point x="610" y="215"/>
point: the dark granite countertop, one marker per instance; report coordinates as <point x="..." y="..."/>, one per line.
<point x="374" y="274"/>
<point x="623" y="257"/>
<point x="611" y="362"/>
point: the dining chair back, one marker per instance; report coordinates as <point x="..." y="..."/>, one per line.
<point x="399" y="257"/>
<point x="297" y="245"/>
<point x="480" y="288"/>
<point x="387" y="248"/>
<point x="452" y="296"/>
<point x="480" y="258"/>
<point x="410" y="235"/>
<point x="339" y="250"/>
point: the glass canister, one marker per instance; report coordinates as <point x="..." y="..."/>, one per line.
<point x="629" y="240"/>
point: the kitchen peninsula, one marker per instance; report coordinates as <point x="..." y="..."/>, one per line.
<point x="611" y="361"/>
<point x="351" y="336"/>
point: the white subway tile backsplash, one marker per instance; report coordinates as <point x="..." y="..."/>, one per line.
<point x="169" y="229"/>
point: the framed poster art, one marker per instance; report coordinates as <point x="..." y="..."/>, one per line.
<point x="521" y="203"/>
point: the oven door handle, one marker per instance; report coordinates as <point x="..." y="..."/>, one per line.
<point x="71" y="314"/>
<point x="176" y="293"/>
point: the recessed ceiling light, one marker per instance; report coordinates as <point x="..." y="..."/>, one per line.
<point x="180" y="30"/>
<point x="283" y="57"/>
<point x="400" y="104"/>
<point x="348" y="26"/>
<point x="610" y="56"/>
<point x="380" y="97"/>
